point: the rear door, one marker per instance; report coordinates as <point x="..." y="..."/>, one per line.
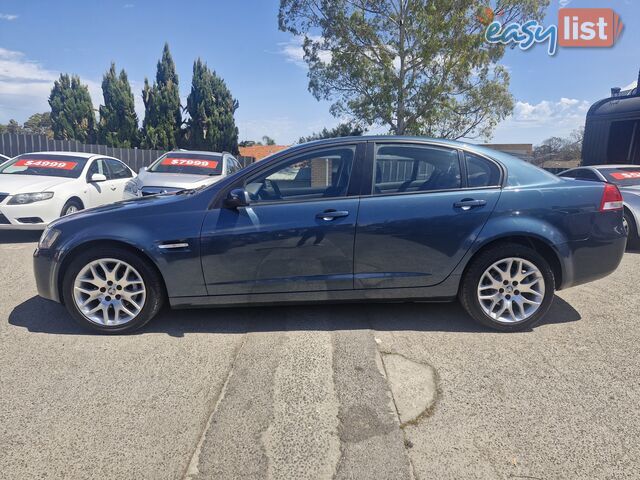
<point x="426" y="207"/>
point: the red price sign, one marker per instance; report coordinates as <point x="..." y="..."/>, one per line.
<point x="625" y="175"/>
<point x="57" y="164"/>
<point x="190" y="162"/>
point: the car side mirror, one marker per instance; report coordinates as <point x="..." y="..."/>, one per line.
<point x="238" y="197"/>
<point x="97" y="178"/>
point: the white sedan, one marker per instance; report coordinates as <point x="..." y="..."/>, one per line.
<point x="37" y="188"/>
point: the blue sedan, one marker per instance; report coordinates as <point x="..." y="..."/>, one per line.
<point x="348" y="219"/>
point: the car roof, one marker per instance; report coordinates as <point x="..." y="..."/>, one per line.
<point x="614" y="165"/>
<point x="201" y="152"/>
<point x="75" y="154"/>
<point x="488" y="152"/>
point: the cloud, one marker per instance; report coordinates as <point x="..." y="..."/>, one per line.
<point x="8" y="16"/>
<point x="25" y="86"/>
<point x="563" y="112"/>
<point x="293" y="52"/>
<point x="533" y="123"/>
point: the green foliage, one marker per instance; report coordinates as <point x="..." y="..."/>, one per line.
<point x="72" y="115"/>
<point x="267" y="140"/>
<point x="211" y="107"/>
<point x="39" y="124"/>
<point x="560" y="149"/>
<point x="162" y="112"/>
<point x="118" y="125"/>
<point x="416" y="66"/>
<point x="342" y="130"/>
<point x="12" y="127"/>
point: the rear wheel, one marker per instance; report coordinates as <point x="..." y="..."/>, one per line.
<point x="509" y="287"/>
<point x="112" y="290"/>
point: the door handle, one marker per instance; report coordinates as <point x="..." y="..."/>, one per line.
<point x="469" y="203"/>
<point x="329" y="215"/>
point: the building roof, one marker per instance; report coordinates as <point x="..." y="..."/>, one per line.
<point x="258" y="152"/>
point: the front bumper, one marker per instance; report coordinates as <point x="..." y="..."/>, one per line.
<point x="33" y="216"/>
<point x="45" y="269"/>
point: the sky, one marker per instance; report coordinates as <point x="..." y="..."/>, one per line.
<point x="263" y="67"/>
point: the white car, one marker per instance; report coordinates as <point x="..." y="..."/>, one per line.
<point x="180" y="170"/>
<point x="37" y="188"/>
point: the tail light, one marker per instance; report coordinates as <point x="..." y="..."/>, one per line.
<point x="611" y="198"/>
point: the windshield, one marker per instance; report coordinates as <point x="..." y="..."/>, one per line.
<point x="44" y="165"/>
<point x="624" y="176"/>
<point x="189" y="163"/>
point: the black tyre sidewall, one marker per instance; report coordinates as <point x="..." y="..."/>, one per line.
<point x="468" y="292"/>
<point x="155" y="293"/>
<point x="68" y="204"/>
<point x="632" y="238"/>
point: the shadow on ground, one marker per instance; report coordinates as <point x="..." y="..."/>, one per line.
<point x="38" y="315"/>
<point x="20" y="236"/>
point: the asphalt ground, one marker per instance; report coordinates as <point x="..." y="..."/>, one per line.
<point x="334" y="391"/>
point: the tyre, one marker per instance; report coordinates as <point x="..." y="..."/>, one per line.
<point x="508" y="287"/>
<point x="632" y="230"/>
<point x="70" y="207"/>
<point x="112" y="290"/>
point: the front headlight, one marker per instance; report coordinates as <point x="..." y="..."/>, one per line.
<point x="24" y="198"/>
<point x="131" y="187"/>
<point x="48" y="238"/>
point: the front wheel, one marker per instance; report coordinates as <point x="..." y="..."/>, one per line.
<point x="509" y="287"/>
<point x="631" y="229"/>
<point x="112" y="290"/>
<point x="72" y="206"/>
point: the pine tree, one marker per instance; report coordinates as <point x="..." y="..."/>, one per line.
<point x="211" y="108"/>
<point x="118" y="120"/>
<point x="72" y="114"/>
<point x="162" y="113"/>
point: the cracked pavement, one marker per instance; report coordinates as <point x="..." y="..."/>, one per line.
<point x="337" y="391"/>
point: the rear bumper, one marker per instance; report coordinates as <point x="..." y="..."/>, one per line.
<point x="599" y="253"/>
<point x="45" y="269"/>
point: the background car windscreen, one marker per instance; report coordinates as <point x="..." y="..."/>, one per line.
<point x="67" y="166"/>
<point x="190" y="163"/>
<point x="625" y="176"/>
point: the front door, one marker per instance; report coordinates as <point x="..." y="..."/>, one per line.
<point x="297" y="234"/>
<point x="101" y="193"/>
<point x="425" y="211"/>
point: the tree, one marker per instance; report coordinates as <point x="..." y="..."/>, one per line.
<point x="211" y="107"/>
<point x="415" y="66"/>
<point x="12" y="127"/>
<point x="39" y="124"/>
<point x="162" y="112"/>
<point x="118" y="125"/>
<point x="342" y="130"/>
<point x="561" y="149"/>
<point x="267" y="140"/>
<point x="72" y="115"/>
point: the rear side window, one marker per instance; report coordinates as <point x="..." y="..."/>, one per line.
<point x="401" y="168"/>
<point x="481" y="172"/>
<point x="118" y="169"/>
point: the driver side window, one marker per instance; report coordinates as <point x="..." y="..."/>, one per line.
<point x="316" y="175"/>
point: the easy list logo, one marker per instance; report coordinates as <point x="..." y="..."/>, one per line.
<point x="577" y="27"/>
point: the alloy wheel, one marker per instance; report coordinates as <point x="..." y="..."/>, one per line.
<point x="511" y="290"/>
<point x="109" y="292"/>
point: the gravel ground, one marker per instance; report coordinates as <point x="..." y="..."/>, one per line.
<point x="304" y="392"/>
